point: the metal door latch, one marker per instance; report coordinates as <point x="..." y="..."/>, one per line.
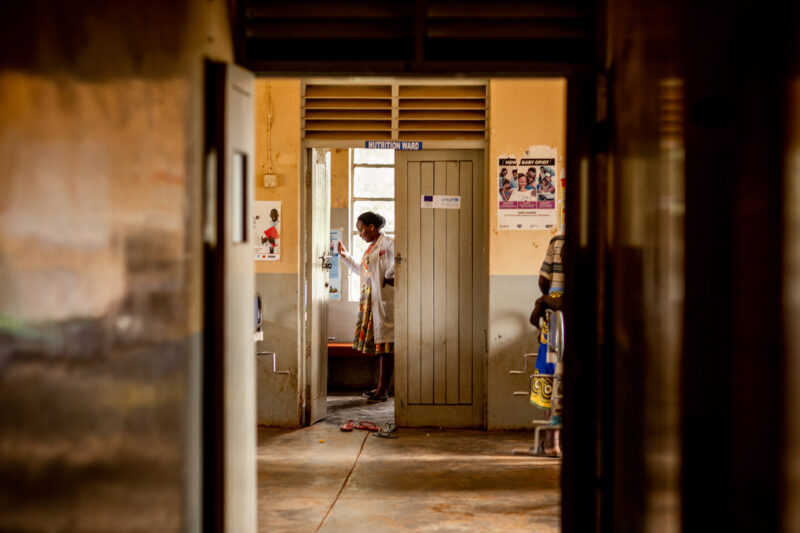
<point x="326" y="262"/>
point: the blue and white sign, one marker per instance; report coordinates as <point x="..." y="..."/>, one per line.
<point x="394" y="145"/>
<point x="439" y="201"/>
<point x="334" y="274"/>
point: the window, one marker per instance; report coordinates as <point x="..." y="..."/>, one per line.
<point x="371" y="189"/>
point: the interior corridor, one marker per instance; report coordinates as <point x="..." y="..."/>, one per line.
<point x="320" y="478"/>
<point x="167" y="164"/>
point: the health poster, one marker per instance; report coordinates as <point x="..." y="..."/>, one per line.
<point x="527" y="197"/>
<point x="334" y="275"/>
<point x="267" y="230"/>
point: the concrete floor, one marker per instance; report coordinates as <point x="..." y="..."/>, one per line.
<point x="322" y="479"/>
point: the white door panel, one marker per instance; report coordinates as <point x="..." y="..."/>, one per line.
<point x="318" y="239"/>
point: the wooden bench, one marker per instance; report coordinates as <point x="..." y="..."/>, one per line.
<point x="345" y="349"/>
<point x="349" y="369"/>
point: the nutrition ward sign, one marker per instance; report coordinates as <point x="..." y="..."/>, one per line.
<point x="394" y="145"/>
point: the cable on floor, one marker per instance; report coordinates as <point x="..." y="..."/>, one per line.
<point x="346" y="479"/>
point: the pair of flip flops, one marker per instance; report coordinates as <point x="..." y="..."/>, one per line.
<point x="350" y="425"/>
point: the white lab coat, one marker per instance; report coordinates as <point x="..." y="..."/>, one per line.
<point x="380" y="261"/>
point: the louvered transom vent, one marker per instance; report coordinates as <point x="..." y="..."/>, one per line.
<point x="394" y="112"/>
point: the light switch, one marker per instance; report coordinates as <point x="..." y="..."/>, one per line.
<point x="270" y="180"/>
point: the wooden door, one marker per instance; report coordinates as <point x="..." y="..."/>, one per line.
<point x="317" y="268"/>
<point x="441" y="301"/>
<point x="229" y="443"/>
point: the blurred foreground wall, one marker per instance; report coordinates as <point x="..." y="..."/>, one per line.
<point x="101" y="139"/>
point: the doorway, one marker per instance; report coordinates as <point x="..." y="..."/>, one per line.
<point x="439" y="381"/>
<point x="361" y="180"/>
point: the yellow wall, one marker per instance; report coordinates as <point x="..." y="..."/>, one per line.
<point x="284" y="95"/>
<point x="340" y="178"/>
<point x="522" y="113"/>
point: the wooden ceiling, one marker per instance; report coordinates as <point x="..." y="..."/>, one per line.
<point x="422" y="37"/>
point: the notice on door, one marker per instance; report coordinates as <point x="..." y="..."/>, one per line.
<point x="439" y="201"/>
<point x="267" y="230"/>
<point x="527" y="190"/>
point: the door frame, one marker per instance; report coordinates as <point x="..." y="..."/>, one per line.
<point x="305" y="172"/>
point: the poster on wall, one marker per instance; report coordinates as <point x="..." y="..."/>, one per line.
<point x="527" y="190"/>
<point x="267" y="230"/>
<point x="334" y="276"/>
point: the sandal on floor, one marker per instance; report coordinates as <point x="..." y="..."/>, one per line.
<point x="369" y="426"/>
<point x="541" y="453"/>
<point x="384" y="434"/>
<point x="368" y="394"/>
<point x="347" y="426"/>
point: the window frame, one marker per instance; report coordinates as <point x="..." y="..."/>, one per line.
<point x="354" y="295"/>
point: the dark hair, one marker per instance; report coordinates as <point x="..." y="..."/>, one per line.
<point x="373" y="219"/>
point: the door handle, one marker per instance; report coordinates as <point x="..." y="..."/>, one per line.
<point x="398" y="259"/>
<point x="326" y="262"/>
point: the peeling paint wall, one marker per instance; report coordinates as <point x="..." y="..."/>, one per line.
<point x="101" y="140"/>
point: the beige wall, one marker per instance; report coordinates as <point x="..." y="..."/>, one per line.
<point x="522" y="113"/>
<point x="283" y="97"/>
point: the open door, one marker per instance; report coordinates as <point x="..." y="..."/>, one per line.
<point x="229" y="392"/>
<point x="441" y="298"/>
<point x="318" y="215"/>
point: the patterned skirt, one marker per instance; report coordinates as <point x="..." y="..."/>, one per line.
<point x="364" y="340"/>
<point x="542" y="389"/>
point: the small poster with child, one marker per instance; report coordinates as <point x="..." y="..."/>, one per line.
<point x="527" y="190"/>
<point x="267" y="230"/>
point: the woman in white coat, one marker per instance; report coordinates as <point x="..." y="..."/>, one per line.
<point x="375" y="323"/>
